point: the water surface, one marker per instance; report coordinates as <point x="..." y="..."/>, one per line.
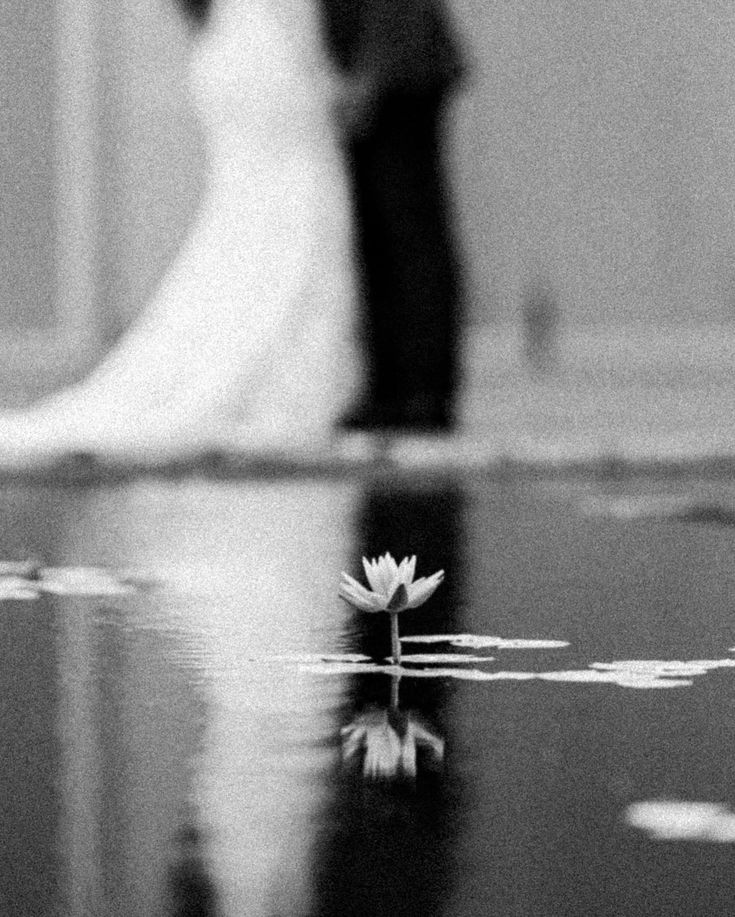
<point x="185" y="732"/>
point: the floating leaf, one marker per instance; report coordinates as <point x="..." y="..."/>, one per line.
<point x="658" y="667"/>
<point x="678" y="820"/>
<point x="623" y="679"/>
<point x="580" y="676"/>
<point x="445" y="658"/>
<point x="17" y="589"/>
<point x="319" y="657"/>
<point x="469" y="674"/>
<point x="349" y="668"/>
<point x="473" y="641"/>
<point x="82" y="581"/>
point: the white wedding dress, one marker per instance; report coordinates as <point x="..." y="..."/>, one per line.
<point x="248" y="342"/>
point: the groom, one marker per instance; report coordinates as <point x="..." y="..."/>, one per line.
<point x="400" y="61"/>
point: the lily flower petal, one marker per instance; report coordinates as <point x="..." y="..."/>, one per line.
<point x="381" y="576"/>
<point x="388" y="570"/>
<point x="354" y="593"/>
<point x="390" y="563"/>
<point x="359" y="589"/>
<point x="401" y="574"/>
<point x="424" y="587"/>
<point x="348" y="580"/>
<point x="372" y="575"/>
<point x="361" y="602"/>
<point x="353" y="600"/>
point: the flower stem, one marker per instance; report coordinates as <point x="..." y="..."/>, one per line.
<point x="394" y="639"/>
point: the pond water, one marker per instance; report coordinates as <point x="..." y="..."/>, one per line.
<point x="195" y="724"/>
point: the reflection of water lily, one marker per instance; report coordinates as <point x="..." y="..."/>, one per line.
<point x="389" y="739"/>
<point x="392" y="589"/>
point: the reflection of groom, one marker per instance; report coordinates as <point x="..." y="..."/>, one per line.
<point x="400" y="60"/>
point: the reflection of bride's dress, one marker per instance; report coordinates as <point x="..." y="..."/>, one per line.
<point x="247" y="341"/>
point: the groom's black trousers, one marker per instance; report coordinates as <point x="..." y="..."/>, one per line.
<point x="408" y="52"/>
<point x="409" y="264"/>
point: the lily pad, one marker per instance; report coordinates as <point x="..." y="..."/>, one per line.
<point x="445" y="658"/>
<point x="309" y="658"/>
<point x="15" y="588"/>
<point x="82" y="581"/>
<point x="622" y="678"/>
<point x="659" y="667"/>
<point x="469" y="674"/>
<point x="474" y="641"/>
<point x="680" y="820"/>
<point x="350" y="668"/>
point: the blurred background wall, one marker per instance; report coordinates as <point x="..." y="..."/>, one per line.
<point x="597" y="146"/>
<point x="593" y="147"/>
<point x="27" y="217"/>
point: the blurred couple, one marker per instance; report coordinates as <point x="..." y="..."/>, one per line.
<point x="318" y="114"/>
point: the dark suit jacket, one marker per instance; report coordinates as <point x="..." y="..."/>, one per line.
<point x="405" y="46"/>
<point x="197" y="9"/>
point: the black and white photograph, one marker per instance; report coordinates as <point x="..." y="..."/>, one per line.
<point x="367" y="458"/>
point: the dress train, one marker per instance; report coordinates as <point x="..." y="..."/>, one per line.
<point x="247" y="343"/>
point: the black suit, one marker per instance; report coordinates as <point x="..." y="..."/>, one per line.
<point x="408" y="52"/>
<point x="197" y="9"/>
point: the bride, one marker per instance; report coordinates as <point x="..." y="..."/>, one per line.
<point x="247" y="343"/>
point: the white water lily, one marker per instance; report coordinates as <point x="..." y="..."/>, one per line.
<point x="392" y="585"/>
<point x="392" y="589"/>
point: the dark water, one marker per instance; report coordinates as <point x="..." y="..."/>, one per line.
<point x="178" y="749"/>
